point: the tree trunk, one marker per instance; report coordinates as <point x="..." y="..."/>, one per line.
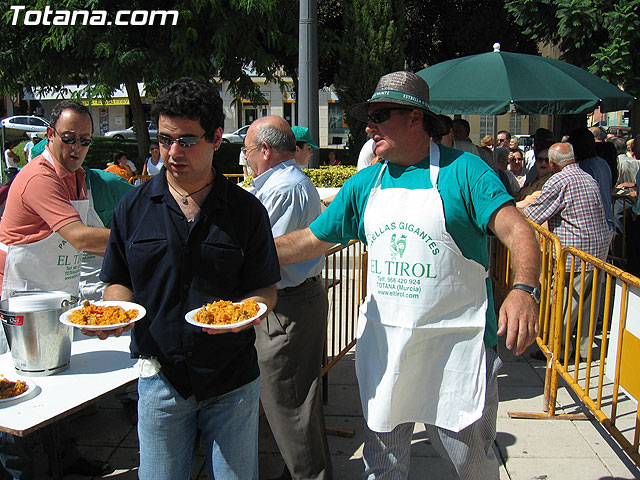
<point x="142" y="132"/>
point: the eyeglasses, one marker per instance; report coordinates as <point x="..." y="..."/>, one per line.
<point x="185" y="142"/>
<point x="383" y="114"/>
<point x="245" y="150"/>
<point x="502" y="140"/>
<point x="69" y="140"/>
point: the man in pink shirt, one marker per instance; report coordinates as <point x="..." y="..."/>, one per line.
<point x="43" y="229"/>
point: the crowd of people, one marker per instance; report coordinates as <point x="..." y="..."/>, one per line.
<point x="424" y="201"/>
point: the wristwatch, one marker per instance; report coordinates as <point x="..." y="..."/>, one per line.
<point x="533" y="291"/>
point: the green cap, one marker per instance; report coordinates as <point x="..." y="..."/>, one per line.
<point x="302" y="135"/>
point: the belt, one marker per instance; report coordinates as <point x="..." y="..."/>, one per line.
<point x="309" y="280"/>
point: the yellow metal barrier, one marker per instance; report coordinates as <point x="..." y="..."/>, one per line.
<point x="238" y="177"/>
<point x="346" y="283"/>
<point x="606" y="382"/>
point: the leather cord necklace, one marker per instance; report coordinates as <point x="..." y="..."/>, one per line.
<point x="183" y="197"/>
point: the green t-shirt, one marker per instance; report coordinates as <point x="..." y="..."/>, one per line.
<point x="106" y="190"/>
<point x="471" y="192"/>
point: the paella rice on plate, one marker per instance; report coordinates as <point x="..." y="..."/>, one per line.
<point x="94" y="315"/>
<point x="224" y="312"/>
<point x="9" y="389"/>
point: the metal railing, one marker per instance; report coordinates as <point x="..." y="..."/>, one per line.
<point x="237" y="177"/>
<point x="605" y="381"/>
<point x="345" y="277"/>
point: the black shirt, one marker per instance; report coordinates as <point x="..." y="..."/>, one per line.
<point x="173" y="266"/>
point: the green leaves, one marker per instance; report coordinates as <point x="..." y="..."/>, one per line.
<point x="602" y="35"/>
<point x="330" y="176"/>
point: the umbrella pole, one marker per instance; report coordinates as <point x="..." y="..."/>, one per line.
<point x="495" y="140"/>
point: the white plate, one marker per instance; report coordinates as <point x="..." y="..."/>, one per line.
<point x="64" y="318"/>
<point x="189" y="317"/>
<point x="31" y="386"/>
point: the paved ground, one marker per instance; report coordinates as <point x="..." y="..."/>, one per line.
<point x="529" y="449"/>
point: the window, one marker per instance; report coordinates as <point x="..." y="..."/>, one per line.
<point x="515" y="124"/>
<point x="486" y="125"/>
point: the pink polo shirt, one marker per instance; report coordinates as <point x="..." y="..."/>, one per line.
<point x="39" y="203"/>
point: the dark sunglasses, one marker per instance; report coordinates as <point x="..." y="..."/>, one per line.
<point x="382" y="115"/>
<point x="69" y="140"/>
<point x="185" y="142"/>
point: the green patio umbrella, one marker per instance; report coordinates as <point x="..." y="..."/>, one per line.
<point x="498" y="82"/>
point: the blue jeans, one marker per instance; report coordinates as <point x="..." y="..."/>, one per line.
<point x="168" y="423"/>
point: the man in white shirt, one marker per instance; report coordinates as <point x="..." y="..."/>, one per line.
<point x="461" y="140"/>
<point x="33" y="140"/>
<point x="291" y="339"/>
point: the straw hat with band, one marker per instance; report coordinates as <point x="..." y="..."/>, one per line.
<point x="401" y="88"/>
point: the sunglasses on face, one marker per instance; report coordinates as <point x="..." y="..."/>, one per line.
<point x="382" y="115"/>
<point x="69" y="140"/>
<point x="185" y="142"/>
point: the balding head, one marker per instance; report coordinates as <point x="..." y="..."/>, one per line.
<point x="561" y="155"/>
<point x="598" y="133"/>
<point x="269" y="141"/>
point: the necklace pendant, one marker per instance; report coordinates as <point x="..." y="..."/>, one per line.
<point x="184" y="199"/>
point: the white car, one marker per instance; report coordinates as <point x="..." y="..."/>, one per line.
<point x="18" y="126"/>
<point x="235" y="137"/>
<point x="130" y="134"/>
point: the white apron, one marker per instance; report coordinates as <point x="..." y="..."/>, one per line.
<point x="91" y="288"/>
<point x="48" y="264"/>
<point x="420" y="354"/>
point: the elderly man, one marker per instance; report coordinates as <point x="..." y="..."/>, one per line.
<point x="43" y="235"/>
<point x="290" y="340"/>
<point x="185" y="238"/>
<point x="427" y="331"/>
<point x="570" y="201"/>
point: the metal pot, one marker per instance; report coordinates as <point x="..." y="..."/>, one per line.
<point x="40" y="345"/>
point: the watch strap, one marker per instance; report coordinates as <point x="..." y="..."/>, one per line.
<point x="531" y="290"/>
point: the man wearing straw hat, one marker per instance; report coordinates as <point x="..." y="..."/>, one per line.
<point x="427" y="331"/>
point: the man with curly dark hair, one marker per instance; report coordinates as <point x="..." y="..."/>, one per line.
<point x="185" y="238"/>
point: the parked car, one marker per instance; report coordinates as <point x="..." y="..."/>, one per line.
<point x="130" y="133"/>
<point x="235" y="137"/>
<point x="525" y="142"/>
<point x="18" y="126"/>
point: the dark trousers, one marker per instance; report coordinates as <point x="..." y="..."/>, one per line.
<point x="290" y="343"/>
<point x="15" y="452"/>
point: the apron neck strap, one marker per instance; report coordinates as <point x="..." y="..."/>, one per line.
<point x="434" y="163"/>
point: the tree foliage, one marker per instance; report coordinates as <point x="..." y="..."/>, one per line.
<point x="600" y="35"/>
<point x="439" y="30"/>
<point x="371" y="46"/>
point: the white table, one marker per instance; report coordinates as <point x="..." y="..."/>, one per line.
<point x="97" y="368"/>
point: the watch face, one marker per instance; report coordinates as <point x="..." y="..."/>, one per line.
<point x="535" y="293"/>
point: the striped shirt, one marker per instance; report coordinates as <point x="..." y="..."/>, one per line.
<point x="570" y="201"/>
